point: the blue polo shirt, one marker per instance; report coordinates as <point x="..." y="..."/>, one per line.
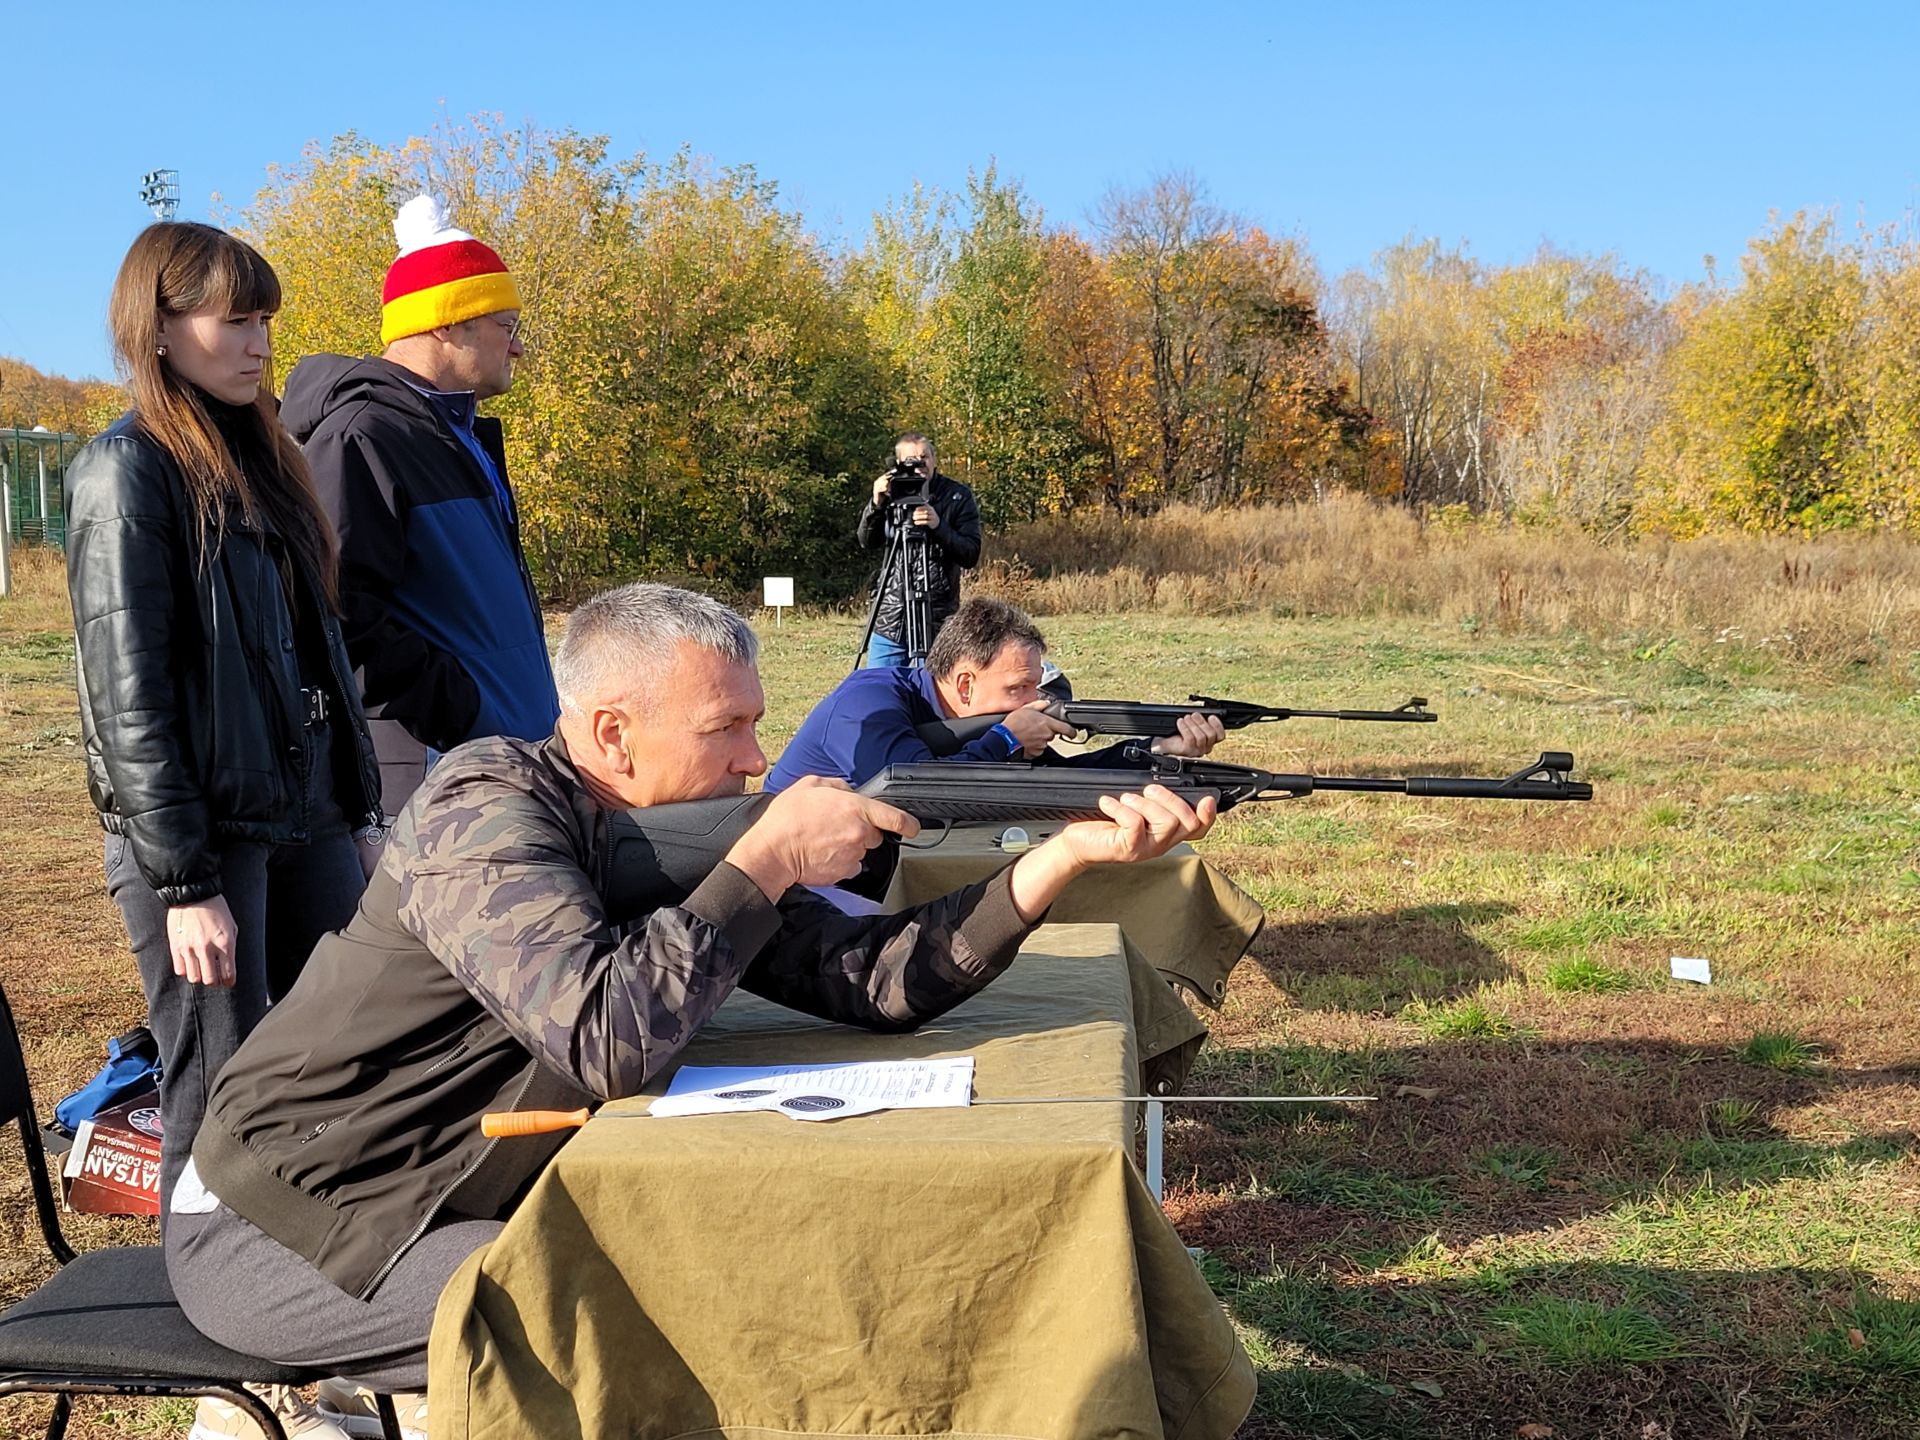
<point x="867" y="724"/>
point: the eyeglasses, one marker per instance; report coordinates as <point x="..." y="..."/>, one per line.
<point x="512" y="327"/>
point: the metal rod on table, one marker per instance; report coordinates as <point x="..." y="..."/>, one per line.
<point x="544" y="1122"/>
<point x="1156" y="1120"/>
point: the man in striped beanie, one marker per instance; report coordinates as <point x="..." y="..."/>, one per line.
<point x="439" y="610"/>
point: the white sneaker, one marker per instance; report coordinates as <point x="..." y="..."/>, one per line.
<point x="218" y="1420"/>
<point x="351" y="1407"/>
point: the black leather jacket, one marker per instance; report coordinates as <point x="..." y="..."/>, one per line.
<point x="953" y="546"/>
<point x="190" y="699"/>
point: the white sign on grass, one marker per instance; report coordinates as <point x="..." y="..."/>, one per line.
<point x="777" y="591"/>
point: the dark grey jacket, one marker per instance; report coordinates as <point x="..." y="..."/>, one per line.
<point x="483" y="972"/>
<point x="190" y="703"/>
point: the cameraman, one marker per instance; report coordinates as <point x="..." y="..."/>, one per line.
<point x="951" y="520"/>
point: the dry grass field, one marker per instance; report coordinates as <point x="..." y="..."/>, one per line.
<point x="1593" y="1201"/>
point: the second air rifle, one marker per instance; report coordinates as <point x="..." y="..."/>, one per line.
<point x="658" y="855"/>
<point x="1147" y="720"/>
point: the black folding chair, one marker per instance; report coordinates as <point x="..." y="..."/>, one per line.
<point x="106" y="1322"/>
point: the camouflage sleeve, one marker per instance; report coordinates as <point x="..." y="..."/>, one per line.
<point x="888" y="972"/>
<point x="491" y="882"/>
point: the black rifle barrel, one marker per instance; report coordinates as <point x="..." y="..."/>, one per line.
<point x="1151" y="720"/>
<point x="660" y="855"/>
<point x="1007" y="792"/>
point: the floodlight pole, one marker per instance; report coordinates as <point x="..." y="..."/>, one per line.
<point x="160" y="192"/>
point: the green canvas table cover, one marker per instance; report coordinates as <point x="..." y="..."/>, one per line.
<point x="992" y="1271"/>
<point x="1190" y="920"/>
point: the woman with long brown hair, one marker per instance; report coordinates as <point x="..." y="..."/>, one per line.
<point x="226" y="751"/>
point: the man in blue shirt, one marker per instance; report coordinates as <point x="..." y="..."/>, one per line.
<point x="986" y="660"/>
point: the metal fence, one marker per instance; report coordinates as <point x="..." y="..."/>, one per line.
<point x="33" y="470"/>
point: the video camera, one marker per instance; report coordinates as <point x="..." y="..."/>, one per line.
<point x="907" y="482"/>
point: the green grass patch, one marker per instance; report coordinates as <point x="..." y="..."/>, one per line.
<point x="1581" y="930"/>
<point x="1583" y="975"/>
<point x="1395" y="984"/>
<point x="1631" y="882"/>
<point x="1466" y="1019"/>
<point x="1380" y="1194"/>
<point x="1286" y="825"/>
<point x="1810" y="877"/>
<point x="1299" y="1309"/>
<point x="1726" y="1161"/>
<point x="1830" y="1219"/>
<point x="1527" y="1166"/>
<point x="1583" y="1332"/>
<point x="1293" y="1070"/>
<point x="1779" y="1050"/>
<point x="39" y="645"/>
<point x="1875" y="1334"/>
<point x="1731" y="1116"/>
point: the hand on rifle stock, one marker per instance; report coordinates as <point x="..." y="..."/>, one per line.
<point x="1034" y="728"/>
<point x="817" y="832"/>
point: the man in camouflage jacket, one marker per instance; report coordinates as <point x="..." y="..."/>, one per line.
<point x="341" y="1177"/>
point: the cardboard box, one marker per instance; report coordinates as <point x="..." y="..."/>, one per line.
<point x="114" y="1166"/>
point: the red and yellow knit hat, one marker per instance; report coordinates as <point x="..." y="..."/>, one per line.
<point x="443" y="275"/>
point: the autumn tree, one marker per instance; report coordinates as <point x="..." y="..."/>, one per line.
<point x="1103" y="382"/>
<point x="762" y="407"/>
<point x="1581" y="386"/>
<point x="1421" y="353"/>
<point x="1767" y="429"/>
<point x="1228" y="348"/>
<point x="30" y="397"/>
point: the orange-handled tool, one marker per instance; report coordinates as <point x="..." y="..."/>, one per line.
<point x="532" y="1122"/>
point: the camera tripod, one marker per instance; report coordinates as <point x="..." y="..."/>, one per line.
<point x="904" y="565"/>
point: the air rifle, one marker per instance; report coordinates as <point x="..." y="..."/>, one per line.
<point x="658" y="856"/>
<point x="1146" y="720"/>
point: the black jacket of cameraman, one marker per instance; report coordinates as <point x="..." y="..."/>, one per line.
<point x="955" y="541"/>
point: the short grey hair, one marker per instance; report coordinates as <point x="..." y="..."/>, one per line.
<point x="619" y="642"/>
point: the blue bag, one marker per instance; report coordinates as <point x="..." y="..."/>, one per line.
<point x="133" y="1065"/>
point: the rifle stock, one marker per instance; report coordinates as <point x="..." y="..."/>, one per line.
<point x="658" y="856"/>
<point x="1148" y="720"/>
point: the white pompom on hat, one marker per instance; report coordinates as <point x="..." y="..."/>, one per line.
<point x="423" y="221"/>
<point x="442" y="275"/>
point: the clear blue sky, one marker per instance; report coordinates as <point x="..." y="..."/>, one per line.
<point x="1659" y="133"/>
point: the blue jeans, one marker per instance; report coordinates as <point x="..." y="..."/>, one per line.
<point x="885" y="654"/>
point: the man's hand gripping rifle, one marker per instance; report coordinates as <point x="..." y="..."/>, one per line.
<point x="1148" y="720"/>
<point x="660" y="854"/>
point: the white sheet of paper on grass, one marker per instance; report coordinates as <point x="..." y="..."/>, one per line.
<point x="819" y="1092"/>
<point x="1686" y="967"/>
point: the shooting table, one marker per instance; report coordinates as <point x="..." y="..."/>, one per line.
<point x="1187" y="918"/>
<point x="998" y="1271"/>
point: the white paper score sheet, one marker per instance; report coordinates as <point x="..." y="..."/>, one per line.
<point x="819" y="1092"/>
